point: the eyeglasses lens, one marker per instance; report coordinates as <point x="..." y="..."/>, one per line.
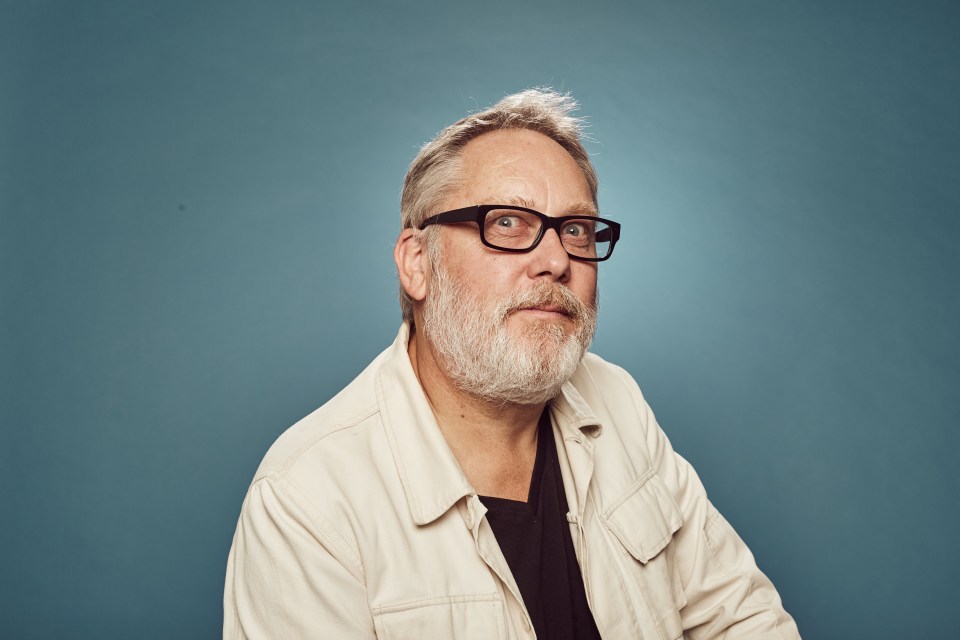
<point x="513" y="229"/>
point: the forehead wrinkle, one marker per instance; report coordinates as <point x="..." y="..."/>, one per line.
<point x="517" y="201"/>
<point x="505" y="161"/>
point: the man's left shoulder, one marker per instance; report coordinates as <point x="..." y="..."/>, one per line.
<point x="598" y="376"/>
<point x="608" y="394"/>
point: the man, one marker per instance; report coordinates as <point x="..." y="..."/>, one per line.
<point x="483" y="477"/>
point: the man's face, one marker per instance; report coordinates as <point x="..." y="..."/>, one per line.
<point x="512" y="326"/>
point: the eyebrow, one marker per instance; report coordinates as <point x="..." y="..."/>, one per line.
<point x="577" y="209"/>
<point x="584" y="208"/>
<point x="514" y="200"/>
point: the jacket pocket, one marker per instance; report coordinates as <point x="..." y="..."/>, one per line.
<point x="474" y="616"/>
<point x="643" y="521"/>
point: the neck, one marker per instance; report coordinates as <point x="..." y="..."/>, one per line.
<point x="494" y="443"/>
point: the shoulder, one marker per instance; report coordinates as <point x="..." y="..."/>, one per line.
<point x="611" y="395"/>
<point x="328" y="433"/>
<point x="598" y="380"/>
<point x="331" y="469"/>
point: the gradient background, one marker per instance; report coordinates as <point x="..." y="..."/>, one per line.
<point x="199" y="202"/>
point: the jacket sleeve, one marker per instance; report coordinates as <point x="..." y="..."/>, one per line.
<point x="727" y="595"/>
<point x="290" y="574"/>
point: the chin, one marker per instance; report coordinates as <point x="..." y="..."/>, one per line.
<point x="543" y="331"/>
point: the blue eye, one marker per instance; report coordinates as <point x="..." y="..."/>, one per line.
<point x="575" y="229"/>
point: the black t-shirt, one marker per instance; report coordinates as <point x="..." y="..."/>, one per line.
<point x="534" y="537"/>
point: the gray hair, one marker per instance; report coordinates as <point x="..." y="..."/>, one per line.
<point x="434" y="173"/>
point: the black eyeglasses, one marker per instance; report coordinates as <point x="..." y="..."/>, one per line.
<point x="518" y="229"/>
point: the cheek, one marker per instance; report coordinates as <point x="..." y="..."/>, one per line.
<point x="492" y="271"/>
<point x="584" y="283"/>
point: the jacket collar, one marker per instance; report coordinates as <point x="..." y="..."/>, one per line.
<point x="573" y="416"/>
<point x="432" y="479"/>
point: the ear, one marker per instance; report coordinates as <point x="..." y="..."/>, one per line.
<point x="411" y="258"/>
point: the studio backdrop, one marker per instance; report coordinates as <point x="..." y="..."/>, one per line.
<point x="198" y="205"/>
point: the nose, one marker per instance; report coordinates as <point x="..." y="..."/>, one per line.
<point x="549" y="259"/>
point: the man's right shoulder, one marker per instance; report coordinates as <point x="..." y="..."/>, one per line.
<point x="330" y="432"/>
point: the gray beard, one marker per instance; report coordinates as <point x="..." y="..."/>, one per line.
<point x="483" y="359"/>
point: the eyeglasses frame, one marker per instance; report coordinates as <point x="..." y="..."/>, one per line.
<point x="478" y="212"/>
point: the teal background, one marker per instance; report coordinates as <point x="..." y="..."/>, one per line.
<point x="199" y="202"/>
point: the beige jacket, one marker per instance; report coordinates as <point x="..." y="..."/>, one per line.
<point x="360" y="524"/>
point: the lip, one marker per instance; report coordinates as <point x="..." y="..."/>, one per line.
<point x="545" y="311"/>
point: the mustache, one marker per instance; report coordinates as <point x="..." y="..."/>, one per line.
<point x="554" y="296"/>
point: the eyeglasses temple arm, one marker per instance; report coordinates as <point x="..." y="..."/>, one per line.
<point x="466" y="214"/>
